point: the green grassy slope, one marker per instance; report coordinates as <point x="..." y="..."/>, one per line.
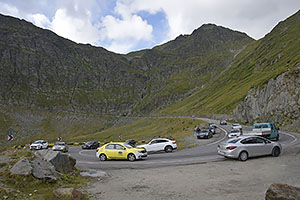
<point x="253" y="67"/>
<point x="146" y="129"/>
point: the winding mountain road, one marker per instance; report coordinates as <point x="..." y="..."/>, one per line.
<point x="202" y="153"/>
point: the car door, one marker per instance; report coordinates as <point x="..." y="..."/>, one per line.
<point x="110" y="151"/>
<point x="161" y="145"/>
<point x="120" y="151"/>
<point x="260" y="146"/>
<point x="249" y="146"/>
<point x="152" y="146"/>
<point x="265" y="147"/>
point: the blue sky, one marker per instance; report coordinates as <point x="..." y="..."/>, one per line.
<point x="123" y="26"/>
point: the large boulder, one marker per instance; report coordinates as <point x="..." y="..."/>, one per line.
<point x="282" y="192"/>
<point x="61" y="161"/>
<point x="68" y="193"/>
<point x="44" y="170"/>
<point x="22" y="167"/>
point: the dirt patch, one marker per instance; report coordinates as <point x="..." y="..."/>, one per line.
<point x="230" y="179"/>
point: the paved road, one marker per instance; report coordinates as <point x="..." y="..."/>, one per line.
<point x="86" y="159"/>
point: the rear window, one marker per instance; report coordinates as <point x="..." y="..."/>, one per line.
<point x="233" y="141"/>
<point x="261" y="126"/>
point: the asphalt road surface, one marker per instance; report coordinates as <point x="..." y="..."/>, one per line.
<point x="86" y="159"/>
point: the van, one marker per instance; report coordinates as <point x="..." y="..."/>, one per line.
<point x="268" y="130"/>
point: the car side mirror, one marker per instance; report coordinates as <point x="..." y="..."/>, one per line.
<point x="124" y="148"/>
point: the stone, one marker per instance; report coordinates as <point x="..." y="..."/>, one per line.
<point x="4" y="159"/>
<point x="68" y="193"/>
<point x="44" y="170"/>
<point x="282" y="192"/>
<point x="22" y="167"/>
<point x="62" y="162"/>
<point x="94" y="173"/>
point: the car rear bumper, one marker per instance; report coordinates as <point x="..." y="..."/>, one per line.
<point x="227" y="153"/>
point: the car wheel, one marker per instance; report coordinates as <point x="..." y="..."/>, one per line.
<point x="131" y="157"/>
<point x="102" y="157"/>
<point x="243" y="156"/>
<point x="275" y="152"/>
<point x="168" y="149"/>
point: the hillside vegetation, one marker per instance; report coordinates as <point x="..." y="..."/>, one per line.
<point x="53" y="86"/>
<point x="262" y="60"/>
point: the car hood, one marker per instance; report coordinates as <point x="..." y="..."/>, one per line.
<point x="203" y="133"/>
<point x="138" y="149"/>
<point x="36" y="145"/>
<point x="58" y="146"/>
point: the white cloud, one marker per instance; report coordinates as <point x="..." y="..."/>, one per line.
<point x="9" y="10"/>
<point x="184" y="16"/>
<point x="126" y="31"/>
<point x="39" y="20"/>
<point x="79" y="29"/>
<point x="131" y="27"/>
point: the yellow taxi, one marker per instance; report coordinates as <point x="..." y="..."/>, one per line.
<point x="120" y="150"/>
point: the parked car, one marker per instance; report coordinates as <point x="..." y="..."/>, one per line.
<point x="39" y="144"/>
<point x="205" y="134"/>
<point x="212" y="130"/>
<point x="90" y="145"/>
<point x="120" y="150"/>
<point x="160" y="144"/>
<point x="243" y="147"/>
<point x="223" y="122"/>
<point x="234" y="133"/>
<point x="131" y="142"/>
<point x="212" y="125"/>
<point x="236" y="126"/>
<point x="60" y="146"/>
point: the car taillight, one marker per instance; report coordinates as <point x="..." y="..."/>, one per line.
<point x="231" y="147"/>
<point x="173" y="142"/>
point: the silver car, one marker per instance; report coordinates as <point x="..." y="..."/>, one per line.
<point x="60" y="146"/>
<point x="243" y="147"/>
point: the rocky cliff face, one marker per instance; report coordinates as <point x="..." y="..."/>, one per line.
<point x="277" y="101"/>
<point x="40" y="70"/>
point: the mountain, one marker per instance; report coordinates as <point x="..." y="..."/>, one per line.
<point x="262" y="84"/>
<point x="41" y="70"/>
<point x="51" y="85"/>
<point x="180" y="67"/>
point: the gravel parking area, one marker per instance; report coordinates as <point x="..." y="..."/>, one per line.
<point x="230" y="179"/>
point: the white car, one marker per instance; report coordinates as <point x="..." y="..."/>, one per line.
<point x="236" y="126"/>
<point x="160" y="144"/>
<point x="39" y="144"/>
<point x="234" y="133"/>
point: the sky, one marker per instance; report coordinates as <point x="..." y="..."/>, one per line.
<point x="124" y="26"/>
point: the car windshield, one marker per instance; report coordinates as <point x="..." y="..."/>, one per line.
<point x="59" y="143"/>
<point x="235" y="125"/>
<point x="128" y="146"/>
<point x="90" y="142"/>
<point x="235" y="131"/>
<point x="204" y="131"/>
<point x="233" y="141"/>
<point x="37" y="142"/>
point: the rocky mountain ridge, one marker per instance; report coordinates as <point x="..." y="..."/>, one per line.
<point x="41" y="70"/>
